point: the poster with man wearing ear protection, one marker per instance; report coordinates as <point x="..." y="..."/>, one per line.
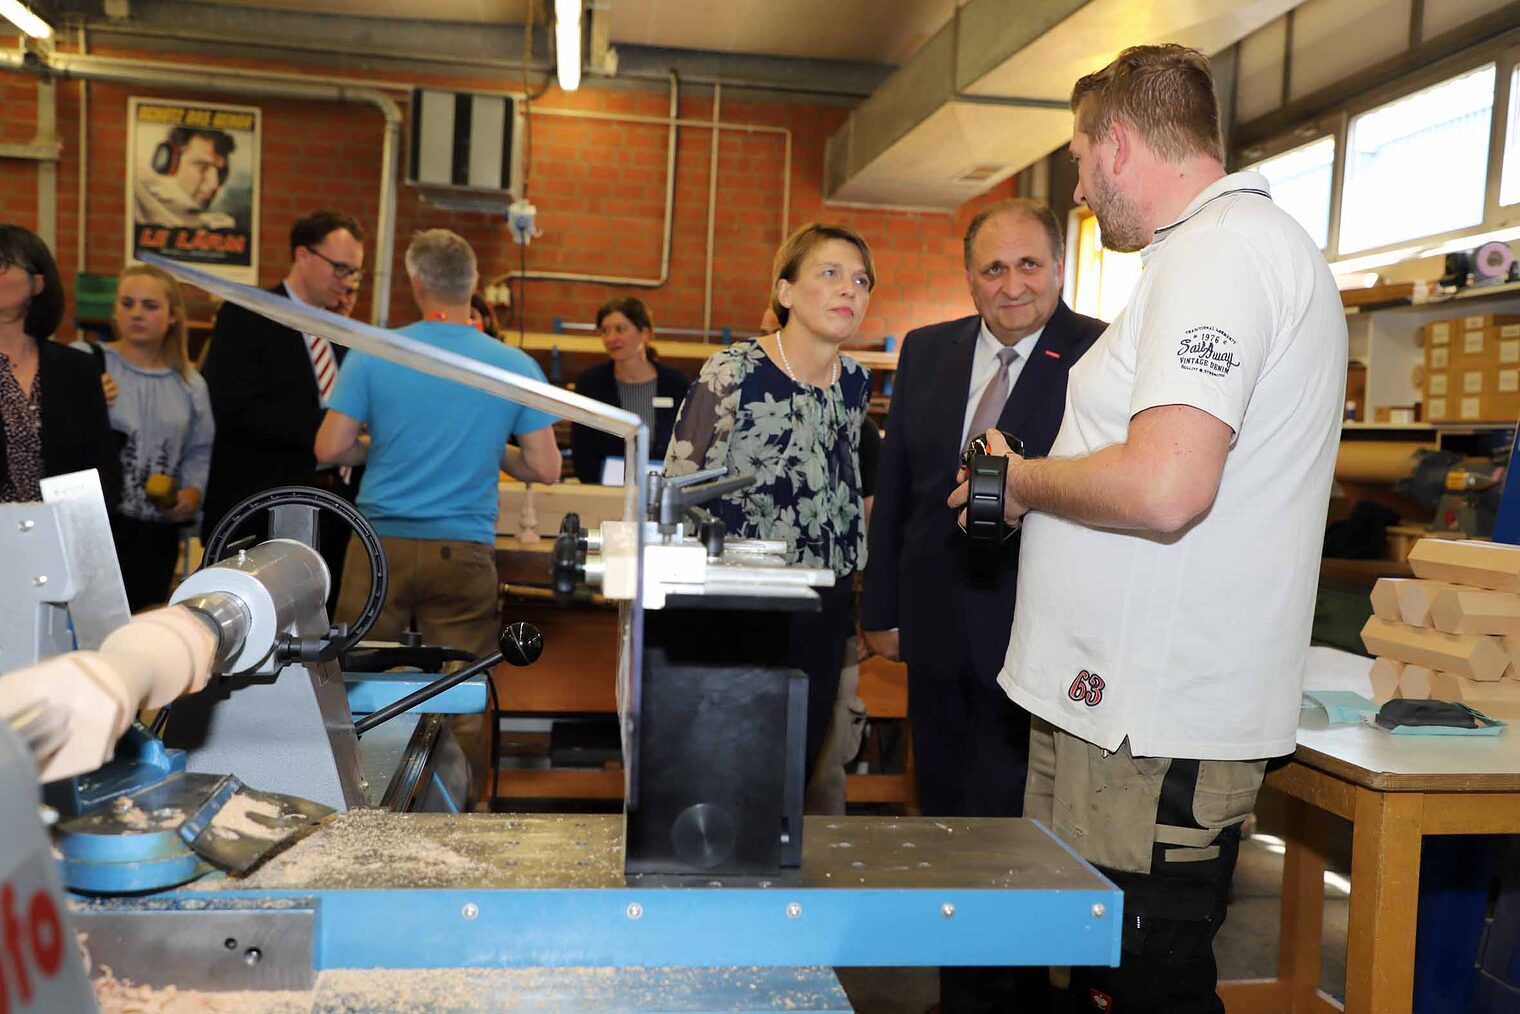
<point x="193" y="184"/>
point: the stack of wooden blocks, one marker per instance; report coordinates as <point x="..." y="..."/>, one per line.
<point x="1452" y="632"/>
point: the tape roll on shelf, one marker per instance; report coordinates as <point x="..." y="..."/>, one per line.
<point x="1379" y="461"/>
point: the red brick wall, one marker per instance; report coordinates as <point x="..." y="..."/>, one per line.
<point x="598" y="186"/>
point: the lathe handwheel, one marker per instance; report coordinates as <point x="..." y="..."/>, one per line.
<point x="307" y="496"/>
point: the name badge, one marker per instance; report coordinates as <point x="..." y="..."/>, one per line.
<point x="664" y="402"/>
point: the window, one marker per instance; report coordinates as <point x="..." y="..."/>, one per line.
<point x="1103" y="278"/>
<point x="1509" y="175"/>
<point x="1301" y="184"/>
<point x="1417" y="166"/>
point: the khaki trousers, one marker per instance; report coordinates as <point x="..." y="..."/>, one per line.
<point x="444" y="589"/>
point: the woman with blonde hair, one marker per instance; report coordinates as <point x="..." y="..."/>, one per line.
<point x="787" y="408"/>
<point x="162" y="414"/>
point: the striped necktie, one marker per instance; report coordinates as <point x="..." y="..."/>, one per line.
<point x="323" y="365"/>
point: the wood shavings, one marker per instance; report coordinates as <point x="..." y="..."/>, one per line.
<point x="125" y="811"/>
<point x="121" y="996"/>
<point x="246" y="817"/>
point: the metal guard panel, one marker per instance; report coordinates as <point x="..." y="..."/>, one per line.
<point x="549" y="891"/>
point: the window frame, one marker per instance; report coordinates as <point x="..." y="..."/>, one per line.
<point x="1309" y="133"/>
<point x="1504" y="53"/>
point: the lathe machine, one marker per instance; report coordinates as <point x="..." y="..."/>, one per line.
<point x="709" y="892"/>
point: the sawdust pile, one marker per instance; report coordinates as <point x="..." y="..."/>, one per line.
<point x="121" y="996"/>
<point x="351" y="849"/>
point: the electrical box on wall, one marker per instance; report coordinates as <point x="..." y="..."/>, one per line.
<point x="462" y="141"/>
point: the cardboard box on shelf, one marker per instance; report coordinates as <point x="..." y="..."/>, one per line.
<point x="1500" y="407"/>
<point x="1397" y="415"/>
<point x="1472" y="339"/>
<point x="1490" y="394"/>
<point x="1474" y="321"/>
<point x="1450" y="329"/>
<point x="1488" y="346"/>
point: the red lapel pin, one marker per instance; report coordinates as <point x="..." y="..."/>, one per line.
<point x="1053" y="355"/>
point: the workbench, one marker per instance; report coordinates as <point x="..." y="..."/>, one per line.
<point x="397" y="912"/>
<point x="1395" y="790"/>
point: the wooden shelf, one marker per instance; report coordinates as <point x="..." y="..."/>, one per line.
<point x="689" y="351"/>
<point x="1436" y="300"/>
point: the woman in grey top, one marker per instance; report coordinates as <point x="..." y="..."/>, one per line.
<point x="163" y="415"/>
<point x="630" y="379"/>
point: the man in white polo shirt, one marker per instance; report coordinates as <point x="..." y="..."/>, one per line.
<point x="1171" y="549"/>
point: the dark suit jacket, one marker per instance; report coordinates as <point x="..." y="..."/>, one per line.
<point x="589" y="448"/>
<point x="954" y="608"/>
<point x="76" y="429"/>
<point x="264" y="398"/>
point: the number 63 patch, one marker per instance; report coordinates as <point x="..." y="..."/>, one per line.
<point x="1087" y="688"/>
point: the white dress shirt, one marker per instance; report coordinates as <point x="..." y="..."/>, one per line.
<point x="984" y="366"/>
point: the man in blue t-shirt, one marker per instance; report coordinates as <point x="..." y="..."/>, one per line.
<point x="432" y="448"/>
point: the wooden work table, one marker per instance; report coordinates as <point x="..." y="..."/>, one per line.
<point x="1395" y="790"/>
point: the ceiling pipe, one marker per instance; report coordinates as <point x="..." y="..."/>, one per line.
<point x="228" y="81"/>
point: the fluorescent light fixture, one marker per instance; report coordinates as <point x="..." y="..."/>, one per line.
<point x="567" y="42"/>
<point x="21" y="16"/>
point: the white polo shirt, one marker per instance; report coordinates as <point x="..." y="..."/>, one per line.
<point x="1193" y="645"/>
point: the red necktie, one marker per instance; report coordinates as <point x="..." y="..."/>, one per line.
<point x="323" y="364"/>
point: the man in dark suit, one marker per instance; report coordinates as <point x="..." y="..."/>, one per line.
<point x="269" y="383"/>
<point x="943" y="608"/>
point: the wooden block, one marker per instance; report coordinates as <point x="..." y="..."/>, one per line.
<point x="1465" y="561"/>
<point x="1385" y="598"/>
<point x="1497" y="699"/>
<point x="1447" y="686"/>
<point x="1475" y="656"/>
<point x="1385" y="679"/>
<point x="1458" y="610"/>
<point x="1416" y="599"/>
<point x="1415" y="682"/>
<point x="1511" y="644"/>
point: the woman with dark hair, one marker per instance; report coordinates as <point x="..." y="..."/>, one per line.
<point x="483" y="317"/>
<point x="787" y="408"/>
<point x="51" y="402"/>
<point x="630" y="379"/>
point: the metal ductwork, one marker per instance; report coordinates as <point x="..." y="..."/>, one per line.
<point x="988" y="94"/>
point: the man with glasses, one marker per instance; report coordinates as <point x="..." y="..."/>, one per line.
<point x="269" y="384"/>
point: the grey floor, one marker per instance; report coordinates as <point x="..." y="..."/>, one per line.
<point x="1246" y="947"/>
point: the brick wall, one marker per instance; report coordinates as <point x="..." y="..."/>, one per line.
<point x="599" y="188"/>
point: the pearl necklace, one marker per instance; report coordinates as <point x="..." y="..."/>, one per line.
<point x="786" y="364"/>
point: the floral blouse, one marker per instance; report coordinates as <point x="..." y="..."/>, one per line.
<point x="802" y="444"/>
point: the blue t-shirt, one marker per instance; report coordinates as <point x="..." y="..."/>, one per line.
<point x="436" y="444"/>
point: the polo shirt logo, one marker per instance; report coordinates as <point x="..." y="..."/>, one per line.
<point x="1207" y="350"/>
<point x="1087" y="688"/>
